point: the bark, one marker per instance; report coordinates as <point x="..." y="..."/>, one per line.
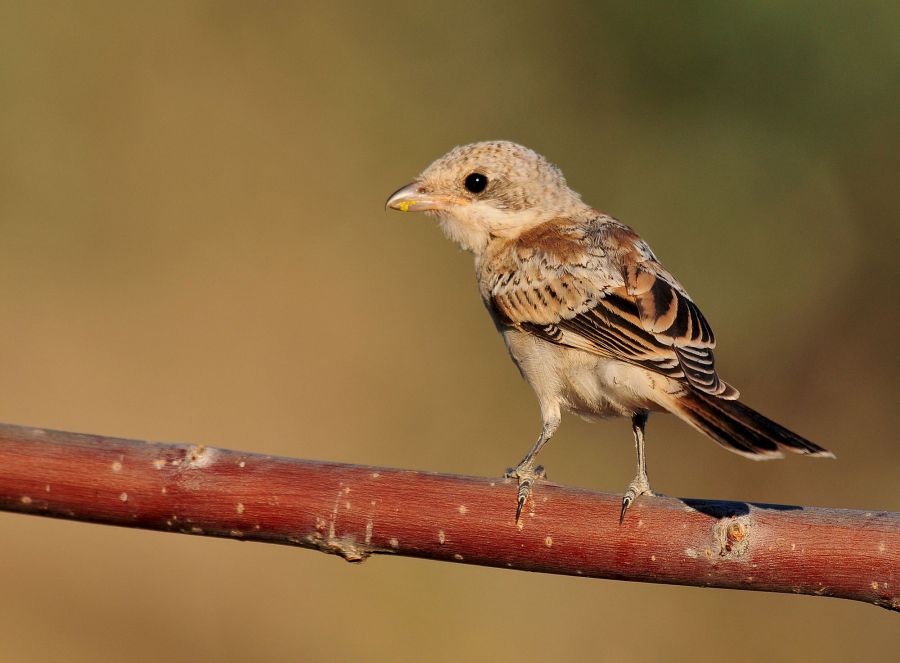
<point x="356" y="511"/>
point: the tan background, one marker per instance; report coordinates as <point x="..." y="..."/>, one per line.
<point x="187" y="189"/>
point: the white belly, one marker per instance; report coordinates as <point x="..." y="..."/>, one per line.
<point x="588" y="385"/>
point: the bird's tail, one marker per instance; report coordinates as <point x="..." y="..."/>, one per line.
<point x="741" y="429"/>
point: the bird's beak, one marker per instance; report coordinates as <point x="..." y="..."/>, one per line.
<point x="414" y="198"/>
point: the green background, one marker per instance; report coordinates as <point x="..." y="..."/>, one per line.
<point x="194" y="248"/>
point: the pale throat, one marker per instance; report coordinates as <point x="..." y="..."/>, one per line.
<point x="473" y="226"/>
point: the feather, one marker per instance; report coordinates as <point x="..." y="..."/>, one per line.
<point x="599" y="288"/>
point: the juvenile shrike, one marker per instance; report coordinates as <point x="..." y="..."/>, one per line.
<point x="595" y="324"/>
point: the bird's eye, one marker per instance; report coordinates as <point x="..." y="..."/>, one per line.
<point x="476" y="182"/>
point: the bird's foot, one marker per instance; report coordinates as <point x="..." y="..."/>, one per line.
<point x="526" y="474"/>
<point x="638" y="486"/>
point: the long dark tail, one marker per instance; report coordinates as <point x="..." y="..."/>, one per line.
<point x="741" y="429"/>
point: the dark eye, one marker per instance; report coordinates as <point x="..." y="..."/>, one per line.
<point x="476" y="182"/>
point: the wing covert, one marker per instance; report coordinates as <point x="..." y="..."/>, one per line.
<point x="610" y="297"/>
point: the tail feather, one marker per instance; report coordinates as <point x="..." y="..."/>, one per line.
<point x="740" y="428"/>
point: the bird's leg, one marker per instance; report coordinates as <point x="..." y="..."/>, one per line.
<point x="640" y="485"/>
<point x="526" y="472"/>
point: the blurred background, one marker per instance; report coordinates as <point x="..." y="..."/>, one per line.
<point x="187" y="188"/>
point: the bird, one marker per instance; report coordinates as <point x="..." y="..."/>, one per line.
<point x="593" y="321"/>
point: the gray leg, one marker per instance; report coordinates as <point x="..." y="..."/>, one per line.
<point x="640" y="484"/>
<point x="526" y="472"/>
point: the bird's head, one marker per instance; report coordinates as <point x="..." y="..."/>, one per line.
<point x="486" y="190"/>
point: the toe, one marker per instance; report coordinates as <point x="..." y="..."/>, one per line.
<point x="526" y="476"/>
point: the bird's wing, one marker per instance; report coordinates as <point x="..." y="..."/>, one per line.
<point x="602" y="290"/>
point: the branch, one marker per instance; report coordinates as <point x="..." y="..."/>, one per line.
<point x="355" y="511"/>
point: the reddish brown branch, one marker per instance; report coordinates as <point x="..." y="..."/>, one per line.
<point x="355" y="511"/>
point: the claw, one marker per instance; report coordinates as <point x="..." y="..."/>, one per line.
<point x="524" y="493"/>
<point x="638" y="487"/>
<point x="520" y="504"/>
<point x="526" y="477"/>
<point x="626" y="502"/>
